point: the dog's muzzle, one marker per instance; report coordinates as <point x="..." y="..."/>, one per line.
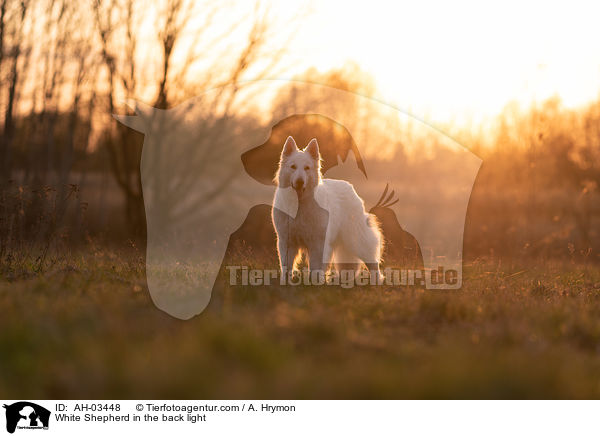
<point x="298" y="185"/>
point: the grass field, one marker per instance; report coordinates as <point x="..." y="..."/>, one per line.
<point x="86" y="328"/>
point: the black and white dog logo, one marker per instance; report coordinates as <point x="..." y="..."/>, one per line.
<point x="26" y="415"/>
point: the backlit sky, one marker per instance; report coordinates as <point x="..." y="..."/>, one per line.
<point x="456" y="61"/>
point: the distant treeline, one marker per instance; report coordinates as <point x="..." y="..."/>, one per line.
<point x="537" y="191"/>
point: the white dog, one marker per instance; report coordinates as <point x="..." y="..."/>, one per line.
<point x="324" y="218"/>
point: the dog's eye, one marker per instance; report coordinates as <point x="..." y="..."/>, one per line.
<point x="306" y="168"/>
<point x="293" y="167"/>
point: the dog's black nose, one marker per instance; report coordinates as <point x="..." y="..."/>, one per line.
<point x="299" y="184"/>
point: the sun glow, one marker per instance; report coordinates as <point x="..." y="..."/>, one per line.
<point x="457" y="62"/>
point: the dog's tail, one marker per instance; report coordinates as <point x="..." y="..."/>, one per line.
<point x="375" y="226"/>
<point x="372" y="221"/>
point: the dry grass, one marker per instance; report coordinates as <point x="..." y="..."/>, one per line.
<point x="87" y="329"/>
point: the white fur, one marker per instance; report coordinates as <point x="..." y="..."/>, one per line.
<point x="352" y="235"/>
<point x="286" y="201"/>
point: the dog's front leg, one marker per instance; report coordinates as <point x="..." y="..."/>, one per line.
<point x="285" y="247"/>
<point x="287" y="255"/>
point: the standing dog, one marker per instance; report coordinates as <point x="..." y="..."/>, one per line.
<point x="324" y="218"/>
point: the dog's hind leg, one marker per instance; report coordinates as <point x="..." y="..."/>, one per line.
<point x="374" y="271"/>
<point x="371" y="260"/>
<point x="368" y="249"/>
<point x="346" y="261"/>
<point x="327" y="254"/>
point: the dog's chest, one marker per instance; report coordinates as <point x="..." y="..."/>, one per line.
<point x="310" y="224"/>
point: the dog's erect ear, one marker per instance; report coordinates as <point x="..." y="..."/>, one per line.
<point x="313" y="148"/>
<point x="289" y="147"/>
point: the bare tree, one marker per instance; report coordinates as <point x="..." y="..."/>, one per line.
<point x="15" y="51"/>
<point x="181" y="27"/>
